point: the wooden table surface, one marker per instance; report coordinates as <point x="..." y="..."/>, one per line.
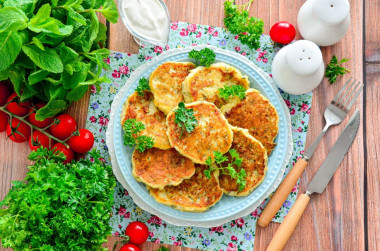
<point x="347" y="215"/>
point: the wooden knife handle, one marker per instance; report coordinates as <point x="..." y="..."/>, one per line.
<point x="282" y="193"/>
<point x="290" y="222"/>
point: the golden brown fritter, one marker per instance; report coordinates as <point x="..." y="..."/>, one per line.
<point x="256" y="114"/>
<point x="211" y="134"/>
<point x="196" y="194"/>
<point x="159" y="168"/>
<point x="255" y="163"/>
<point x="203" y="83"/>
<point x="143" y="109"/>
<point x="166" y="84"/>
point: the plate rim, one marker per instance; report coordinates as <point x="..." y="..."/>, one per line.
<point x="120" y="176"/>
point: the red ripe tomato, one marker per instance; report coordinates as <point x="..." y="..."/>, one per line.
<point x="39" y="139"/>
<point x="19" y="109"/>
<point x="282" y="32"/>
<point x="32" y="117"/>
<point x="83" y="142"/>
<point x="130" y="247"/>
<point x="65" y="126"/>
<point x="4" y="118"/>
<point x="18" y="131"/>
<point x="66" y="151"/>
<point x="4" y="93"/>
<point x="138" y="232"/>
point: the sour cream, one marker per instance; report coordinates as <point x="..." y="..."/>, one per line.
<point x="147" y="20"/>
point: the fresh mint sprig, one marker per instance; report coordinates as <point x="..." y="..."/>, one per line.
<point x="132" y="137"/>
<point x="333" y="69"/>
<point x="185" y="119"/>
<point x="229" y="169"/>
<point x="232" y="91"/>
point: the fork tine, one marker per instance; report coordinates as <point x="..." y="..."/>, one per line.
<point x="341" y="91"/>
<point x="342" y="98"/>
<point x="354" y="98"/>
<point x="351" y="93"/>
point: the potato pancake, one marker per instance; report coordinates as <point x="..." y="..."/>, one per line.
<point x="196" y="194"/>
<point x="166" y="84"/>
<point x="255" y="163"/>
<point x="203" y="83"/>
<point x="212" y="133"/>
<point x="256" y="114"/>
<point x="143" y="109"/>
<point x="160" y="168"/>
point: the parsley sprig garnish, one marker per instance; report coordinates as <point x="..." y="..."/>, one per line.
<point x="143" y="86"/>
<point x="132" y="137"/>
<point x="238" y="22"/>
<point x="185" y="118"/>
<point x="233" y="90"/>
<point x="204" y="57"/>
<point x="229" y="169"/>
<point x="333" y="70"/>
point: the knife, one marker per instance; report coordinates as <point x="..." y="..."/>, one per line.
<point x="317" y="184"/>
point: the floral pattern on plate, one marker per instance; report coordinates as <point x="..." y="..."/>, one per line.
<point x="238" y="234"/>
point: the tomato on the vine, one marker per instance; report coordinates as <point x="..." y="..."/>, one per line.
<point x="18" y="131"/>
<point x="63" y="127"/>
<point x="66" y="151"/>
<point x="4" y="93"/>
<point x="39" y="139"/>
<point x="32" y="117"/>
<point x="20" y="108"/>
<point x="3" y="121"/>
<point x="83" y="142"/>
<point x="129" y="247"/>
<point x="137" y="231"/>
<point x="282" y="32"/>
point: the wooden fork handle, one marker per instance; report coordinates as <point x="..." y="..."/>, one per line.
<point x="290" y="223"/>
<point x="282" y="193"/>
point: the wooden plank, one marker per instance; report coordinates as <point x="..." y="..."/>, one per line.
<point x="373" y="155"/>
<point x="372" y="25"/>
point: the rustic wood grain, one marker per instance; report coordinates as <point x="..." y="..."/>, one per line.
<point x="333" y="220"/>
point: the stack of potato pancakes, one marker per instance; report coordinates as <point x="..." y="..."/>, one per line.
<point x="173" y="169"/>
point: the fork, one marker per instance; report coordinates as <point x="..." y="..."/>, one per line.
<point x="335" y="112"/>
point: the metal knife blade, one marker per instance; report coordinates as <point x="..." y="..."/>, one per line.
<point x="335" y="156"/>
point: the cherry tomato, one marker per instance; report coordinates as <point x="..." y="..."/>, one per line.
<point x="32" y="117"/>
<point x="66" y="151"/>
<point x="130" y="247"/>
<point x="138" y="232"/>
<point x="20" y="109"/>
<point x="18" y="131"/>
<point x="4" y="93"/>
<point x="65" y="126"/>
<point x="282" y="32"/>
<point x="4" y="118"/>
<point x="83" y="142"/>
<point x="39" y="139"/>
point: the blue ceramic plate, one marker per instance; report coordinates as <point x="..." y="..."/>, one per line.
<point x="228" y="208"/>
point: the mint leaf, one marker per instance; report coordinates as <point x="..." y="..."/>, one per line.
<point x="109" y="11"/>
<point x="10" y="47"/>
<point x="47" y="59"/>
<point x="37" y="76"/>
<point x="27" y="6"/>
<point x="12" y="19"/>
<point x="38" y="43"/>
<point x="77" y="93"/>
<point x="50" y="109"/>
<point x="42" y="22"/>
<point x="73" y="81"/>
<point x="102" y="34"/>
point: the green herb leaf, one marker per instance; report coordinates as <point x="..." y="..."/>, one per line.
<point x="239" y="22"/>
<point x="47" y="59"/>
<point x="333" y="69"/>
<point x="10" y="47"/>
<point x="50" y="109"/>
<point x="132" y="130"/>
<point x="38" y="43"/>
<point x="27" y="6"/>
<point x="12" y="19"/>
<point x="232" y="91"/>
<point x="163" y="249"/>
<point x="143" y="86"/>
<point x="233" y="164"/>
<point x="109" y="11"/>
<point x="204" y="57"/>
<point x="77" y="93"/>
<point x="185" y="118"/>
